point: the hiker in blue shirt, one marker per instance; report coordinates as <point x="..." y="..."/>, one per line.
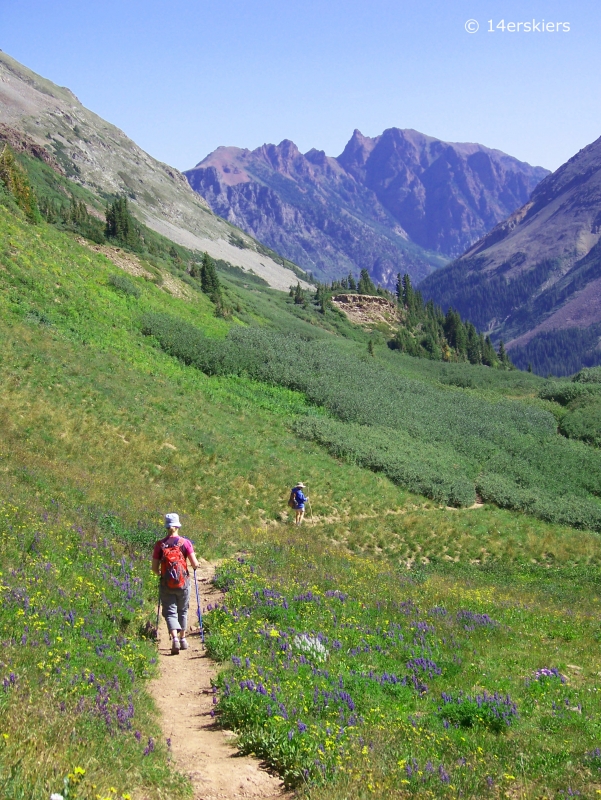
<point x="297" y="502"/>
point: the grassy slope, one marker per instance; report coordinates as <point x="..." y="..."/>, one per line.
<point x="97" y="420"/>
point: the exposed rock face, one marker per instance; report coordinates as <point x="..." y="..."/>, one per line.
<point x="37" y="114"/>
<point x="369" y="311"/>
<point x="398" y="202"/>
<point x="538" y="273"/>
<point x="21" y="143"/>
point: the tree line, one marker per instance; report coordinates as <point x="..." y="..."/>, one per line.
<point x="425" y="331"/>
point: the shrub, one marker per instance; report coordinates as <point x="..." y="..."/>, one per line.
<point x="15" y="182"/>
<point x="588" y="375"/>
<point x="125" y="285"/>
<point x="493" y="711"/>
<point x="564" y="393"/>
<point x="407" y="463"/>
<point x="584" y="422"/>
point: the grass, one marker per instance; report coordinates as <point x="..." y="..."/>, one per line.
<point x="72" y="695"/>
<point x="101" y="432"/>
<point x="425" y="686"/>
<point x="439" y="441"/>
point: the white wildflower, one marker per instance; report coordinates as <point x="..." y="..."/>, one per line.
<point x="311" y="646"/>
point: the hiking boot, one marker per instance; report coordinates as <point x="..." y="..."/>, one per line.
<point x="175" y="647"/>
<point x="183" y="644"/>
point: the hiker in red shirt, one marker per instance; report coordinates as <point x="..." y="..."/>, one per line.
<point x="169" y="561"/>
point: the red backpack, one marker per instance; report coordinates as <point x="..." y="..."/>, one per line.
<point x="174" y="571"/>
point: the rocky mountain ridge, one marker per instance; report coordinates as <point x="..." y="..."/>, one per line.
<point x="98" y="155"/>
<point x="398" y="202"/>
<point x="535" y="279"/>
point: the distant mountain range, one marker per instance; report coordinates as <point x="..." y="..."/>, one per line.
<point x="535" y="279"/>
<point x="98" y="155"/>
<point x="399" y="202"/>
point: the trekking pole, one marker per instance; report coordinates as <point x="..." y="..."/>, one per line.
<point x="311" y="512"/>
<point x="158" y="611"/>
<point x="202" y="630"/>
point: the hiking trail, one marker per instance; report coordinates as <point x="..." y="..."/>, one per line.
<point x="184" y="696"/>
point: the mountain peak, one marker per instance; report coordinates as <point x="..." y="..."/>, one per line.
<point x="535" y="279"/>
<point x="398" y="202"/>
<point x="356" y="152"/>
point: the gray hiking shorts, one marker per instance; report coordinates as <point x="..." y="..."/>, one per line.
<point x="175" y="604"/>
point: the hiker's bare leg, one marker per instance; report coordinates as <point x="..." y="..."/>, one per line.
<point x="300" y="515"/>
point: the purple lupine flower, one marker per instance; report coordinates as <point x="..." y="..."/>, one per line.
<point x="548" y="672"/>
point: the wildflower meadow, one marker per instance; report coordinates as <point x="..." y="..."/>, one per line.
<point x="358" y="679"/>
<point x="76" y="721"/>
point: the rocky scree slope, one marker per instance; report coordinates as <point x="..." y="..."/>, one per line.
<point x="399" y="202"/>
<point x="535" y="279"/>
<point x="101" y="157"/>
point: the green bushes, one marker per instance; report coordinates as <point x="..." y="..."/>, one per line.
<point x="583" y="422"/>
<point x="564" y="393"/>
<point x="125" y="285"/>
<point x="582" y="400"/>
<point x="442" y="442"/>
<point x="15" y="183"/>
<point x="588" y="375"/>
<point x="415" y="465"/>
<point x="563" y="509"/>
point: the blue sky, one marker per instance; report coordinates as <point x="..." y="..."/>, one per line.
<point x="182" y="77"/>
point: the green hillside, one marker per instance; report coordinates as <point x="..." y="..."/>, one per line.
<point x="403" y="639"/>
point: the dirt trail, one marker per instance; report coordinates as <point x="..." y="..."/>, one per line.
<point x="200" y="748"/>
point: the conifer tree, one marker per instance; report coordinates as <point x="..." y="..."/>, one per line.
<point x="366" y="285"/>
<point x="209" y="282"/>
<point x="195" y="269"/>
<point x="299" y="297"/>
<point x="504" y="361"/>
<point x="352" y="285"/>
<point x="398" y="288"/>
<point x="120" y="224"/>
<point x="474" y="351"/>
<point x="489" y="355"/>
<point x="407" y="293"/>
